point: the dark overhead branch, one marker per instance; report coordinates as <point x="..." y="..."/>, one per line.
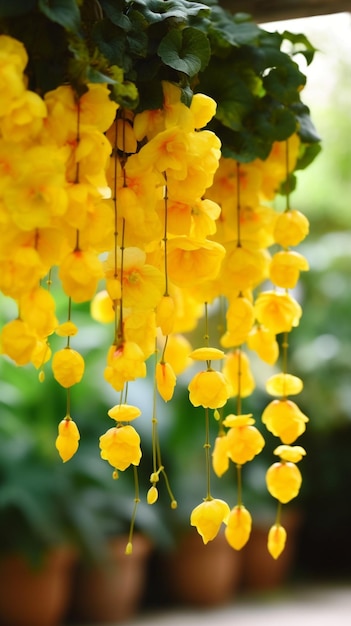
<point x="272" y="10"/>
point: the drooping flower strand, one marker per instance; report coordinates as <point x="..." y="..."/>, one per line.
<point x="160" y="385"/>
<point x="208" y="389"/>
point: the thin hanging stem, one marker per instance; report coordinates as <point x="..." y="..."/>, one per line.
<point x="207" y="447"/>
<point x="287" y="168"/>
<point x="239" y="484"/>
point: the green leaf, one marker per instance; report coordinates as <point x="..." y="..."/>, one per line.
<point x="160" y="10"/>
<point x="306" y="128"/>
<point x="229" y="30"/>
<point x="114" y="10"/>
<point x="187" y="51"/>
<point x="301" y="45"/>
<point x="14" y="9"/>
<point x="284" y="83"/>
<point x="63" y="12"/>
<point x="309" y="153"/>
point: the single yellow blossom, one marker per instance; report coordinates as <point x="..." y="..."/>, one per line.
<point x="285" y="268"/>
<point x="124" y="412"/>
<point x="80" y="272"/>
<point x="238" y="527"/>
<point x="220" y="458"/>
<point x="279" y="312"/>
<point x="152" y="495"/>
<point x="66" y="329"/>
<point x="120" y="446"/>
<point x="236" y="369"/>
<point x="101" y="307"/>
<point x="276" y="540"/>
<point x="208" y="517"/>
<point x="283" y="481"/>
<point x="206" y="354"/>
<point x="284" y="419"/>
<point x="263" y="342"/>
<point x="165" y="315"/>
<point x="67" y="441"/>
<point x="68" y="367"/>
<point x="284" y="385"/>
<point x="294" y="454"/>
<point x="291" y="227"/>
<point x="18" y="341"/>
<point x="165" y="380"/>
<point x="209" y="389"/>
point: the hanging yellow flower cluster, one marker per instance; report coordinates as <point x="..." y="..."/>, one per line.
<point x="146" y="203"/>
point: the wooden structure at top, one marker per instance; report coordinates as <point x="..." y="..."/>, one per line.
<point x="274" y="10"/>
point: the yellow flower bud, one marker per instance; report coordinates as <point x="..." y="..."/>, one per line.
<point x="284" y="385"/>
<point x="285" y="268"/>
<point x="237" y="362"/>
<point x="279" y="312"/>
<point x="244" y="443"/>
<point x="121" y="447"/>
<point x="101" y="308"/>
<point x="206" y="354"/>
<point x="165" y="380"/>
<point x="291" y="228"/>
<point x="68" y="367"/>
<point x="124" y="412"/>
<point x="165" y="315"/>
<point x="238" y="527"/>
<point x="152" y="495"/>
<point x="284" y="419"/>
<point x="67" y="441"/>
<point x="17" y="341"/>
<point x="209" y="389"/>
<point x="220" y="459"/>
<point x="283" y="481"/>
<point x="290" y="453"/>
<point x="208" y="516"/>
<point x="67" y="329"/>
<point x="264" y="342"/>
<point x="276" y="540"/>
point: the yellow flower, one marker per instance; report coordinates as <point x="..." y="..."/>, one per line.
<point x="291" y="228"/>
<point x="191" y="261"/>
<point x="18" y="341"/>
<point x="120" y="446"/>
<point x="140" y="328"/>
<point x="177" y="353"/>
<point x="124" y="412"/>
<point x="39" y="195"/>
<point x="203" y="109"/>
<point x="237" y="371"/>
<point x="243" y="268"/>
<point x="24" y="118"/>
<point x="284" y="419"/>
<point x="67" y="329"/>
<point x="41" y="354"/>
<point x="238" y="527"/>
<point x="284" y="385"/>
<point x="124" y="363"/>
<point x="152" y="495"/>
<point x="276" y="540"/>
<point x="244" y="443"/>
<point x="264" y="342"/>
<point x="165" y="380"/>
<point x="279" y="312"/>
<point x="167" y="151"/>
<point x="80" y="272"/>
<point x="67" y="441"/>
<point x="209" y="389"/>
<point x="101" y="308"/>
<point x="165" y="315"/>
<point x="283" y="481"/>
<point x="206" y="354"/>
<point x="208" y="517"/>
<point x="285" y="268"/>
<point x="13" y="60"/>
<point x="20" y="272"/>
<point x="143" y="283"/>
<point x="68" y="367"/>
<point x="240" y="318"/>
<point x="220" y="458"/>
<point x="38" y="311"/>
<point x="294" y="454"/>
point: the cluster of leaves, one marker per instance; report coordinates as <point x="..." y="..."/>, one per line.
<point x="135" y="44"/>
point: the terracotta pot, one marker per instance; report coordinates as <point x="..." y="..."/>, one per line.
<point x="111" y="591"/>
<point x="35" y="596"/>
<point x="202" y="575"/>
<point x="260" y="570"/>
